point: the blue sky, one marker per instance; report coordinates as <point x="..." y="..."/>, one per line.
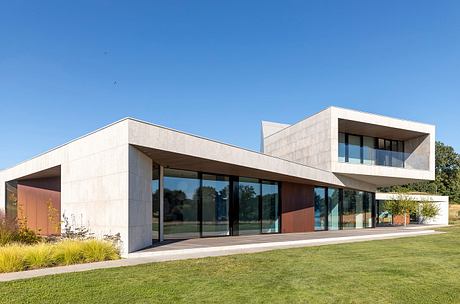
<point x="217" y="68"/>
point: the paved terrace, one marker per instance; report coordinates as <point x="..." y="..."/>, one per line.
<point x="220" y="246"/>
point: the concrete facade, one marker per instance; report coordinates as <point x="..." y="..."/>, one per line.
<point x="314" y="142"/>
<point x="106" y="175"/>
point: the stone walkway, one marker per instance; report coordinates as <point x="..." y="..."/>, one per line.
<point x="220" y="246"/>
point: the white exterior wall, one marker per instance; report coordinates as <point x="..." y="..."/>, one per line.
<point x="314" y="142"/>
<point x="140" y="200"/>
<point x="441" y="201"/>
<point x="307" y="142"/>
<point x="94" y="181"/>
<point x="417" y="149"/>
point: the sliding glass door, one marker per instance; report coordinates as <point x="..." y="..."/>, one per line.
<point x="215" y="209"/>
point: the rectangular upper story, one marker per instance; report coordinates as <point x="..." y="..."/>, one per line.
<point x="375" y="148"/>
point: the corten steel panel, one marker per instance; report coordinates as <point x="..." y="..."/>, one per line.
<point x="39" y="204"/>
<point x="297" y="210"/>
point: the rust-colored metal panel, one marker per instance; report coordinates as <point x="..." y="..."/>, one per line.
<point x="39" y="204"/>
<point x="399" y="219"/>
<point x="297" y="208"/>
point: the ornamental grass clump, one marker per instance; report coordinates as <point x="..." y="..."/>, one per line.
<point x="18" y="257"/>
<point x="39" y="256"/>
<point x="95" y="250"/>
<point x="68" y="252"/>
<point x="12" y="258"/>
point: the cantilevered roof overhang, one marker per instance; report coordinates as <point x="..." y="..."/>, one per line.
<point x="175" y="149"/>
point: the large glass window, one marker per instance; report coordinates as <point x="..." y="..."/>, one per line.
<point x="371" y="151"/>
<point x="181" y="200"/>
<point x="215" y="210"/>
<point x="333" y="202"/>
<point x="368" y="150"/>
<point x="360" y="219"/>
<point x="384" y="217"/>
<point x="11" y="210"/>
<point x="270" y="207"/>
<point x="368" y="205"/>
<point x="155" y="205"/>
<point x="349" y="209"/>
<point x="354" y="149"/>
<point x="320" y="208"/>
<point x="248" y="209"/>
<point x="342" y="148"/>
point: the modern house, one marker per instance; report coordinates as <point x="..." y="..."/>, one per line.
<point x="150" y="183"/>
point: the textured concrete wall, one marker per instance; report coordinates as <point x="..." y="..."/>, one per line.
<point x="140" y="200"/>
<point x="418" y="150"/>
<point x="307" y="142"/>
<point x="95" y="183"/>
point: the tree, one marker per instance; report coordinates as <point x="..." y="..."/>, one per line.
<point x="447" y="180"/>
<point x="402" y="205"/>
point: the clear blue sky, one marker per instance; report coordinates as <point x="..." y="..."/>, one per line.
<point x="217" y="68"/>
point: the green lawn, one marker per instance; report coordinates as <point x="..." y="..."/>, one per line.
<point x="423" y="269"/>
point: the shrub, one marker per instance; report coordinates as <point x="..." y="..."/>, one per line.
<point x="12" y="232"/>
<point x="12" y="258"/>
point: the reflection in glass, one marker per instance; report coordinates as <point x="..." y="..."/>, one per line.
<point x="342" y="148"/>
<point x="320" y="208"/>
<point x="181" y="199"/>
<point x="368" y="150"/>
<point x="384" y="217"/>
<point x="349" y="209"/>
<point x="359" y="195"/>
<point x="215" y="195"/>
<point x="333" y="207"/>
<point x="248" y="211"/>
<point x="354" y="149"/>
<point x="368" y="203"/>
<point x="11" y="210"/>
<point x="270" y="207"/>
<point x="155" y="204"/>
<point x="374" y="151"/>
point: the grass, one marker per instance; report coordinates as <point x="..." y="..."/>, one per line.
<point x="424" y="269"/>
<point x="17" y="257"/>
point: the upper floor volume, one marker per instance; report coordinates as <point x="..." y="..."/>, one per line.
<point x="368" y="147"/>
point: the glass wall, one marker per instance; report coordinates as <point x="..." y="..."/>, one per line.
<point x="349" y="209"/>
<point x="368" y="200"/>
<point x="333" y="203"/>
<point x="320" y="208"/>
<point x="384" y="217"/>
<point x="342" y="148"/>
<point x="181" y="199"/>
<point x="215" y="210"/>
<point x="367" y="150"/>
<point x="270" y="207"/>
<point x="343" y="209"/>
<point x="155" y="204"/>
<point x="354" y="149"/>
<point x="11" y="210"/>
<point x="248" y="209"/>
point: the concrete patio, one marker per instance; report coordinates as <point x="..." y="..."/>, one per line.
<point x="221" y="246"/>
